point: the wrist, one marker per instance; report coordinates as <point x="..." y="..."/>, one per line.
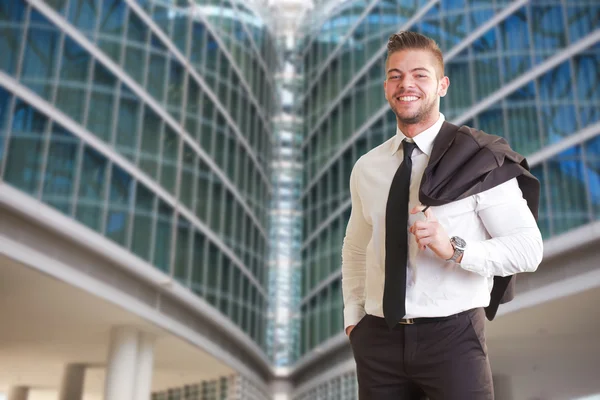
<point x="458" y="248"/>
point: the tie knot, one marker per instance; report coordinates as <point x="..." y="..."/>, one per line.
<point x="408" y="148"/>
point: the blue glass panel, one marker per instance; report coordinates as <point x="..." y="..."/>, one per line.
<point x="548" y="29"/>
<point x="25" y="151"/>
<point x="180" y="32"/>
<point x="514" y="32"/>
<point x="5" y="100"/>
<point x="100" y="115"/>
<point x="75" y="62"/>
<point x="492" y="121"/>
<point x="162" y="17"/>
<point x="480" y="16"/>
<point x="60" y="169"/>
<point x="175" y="87"/>
<point x="58" y="5"/>
<point x="157" y="76"/>
<point x="40" y="58"/>
<point x="197" y="50"/>
<point x="127" y="123"/>
<point x="568" y="190"/>
<point x="582" y="19"/>
<point x="455" y="30"/>
<point x="556" y="84"/>
<point x="119" y="206"/>
<point x="592" y="163"/>
<point x="168" y="175"/>
<point x="453" y="4"/>
<point x="84" y="14"/>
<point x="111" y="29"/>
<point x="559" y="121"/>
<point x="11" y="33"/>
<point x="92" y="189"/>
<point x="137" y="30"/>
<point x="162" y="242"/>
<point x="12" y="11"/>
<point x="113" y="17"/>
<point x="587" y="77"/>
<point x="182" y="250"/>
<point x="143" y="221"/>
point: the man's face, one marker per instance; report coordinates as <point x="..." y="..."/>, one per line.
<point x="412" y="86"/>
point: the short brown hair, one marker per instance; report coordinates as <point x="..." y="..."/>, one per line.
<point x="413" y="40"/>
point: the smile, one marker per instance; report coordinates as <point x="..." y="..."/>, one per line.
<point x="408" y="98"/>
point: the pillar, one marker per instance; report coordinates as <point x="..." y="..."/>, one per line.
<point x="281" y="390"/>
<point x="503" y="389"/>
<point x="145" y="363"/>
<point x="71" y="387"/>
<point x="18" y="393"/>
<point x="121" y="365"/>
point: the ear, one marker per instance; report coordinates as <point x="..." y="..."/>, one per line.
<point x="443" y="88"/>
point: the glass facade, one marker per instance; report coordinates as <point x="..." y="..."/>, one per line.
<point x="529" y="74"/>
<point x="149" y="122"/>
<point x="230" y="387"/>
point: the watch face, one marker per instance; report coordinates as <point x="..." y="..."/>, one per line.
<point x="459" y="242"/>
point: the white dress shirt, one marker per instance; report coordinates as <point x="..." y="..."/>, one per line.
<point x="501" y="234"/>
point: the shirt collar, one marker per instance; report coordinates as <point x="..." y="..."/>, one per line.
<point x="424" y="140"/>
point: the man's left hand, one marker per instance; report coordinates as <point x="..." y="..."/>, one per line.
<point x="430" y="233"/>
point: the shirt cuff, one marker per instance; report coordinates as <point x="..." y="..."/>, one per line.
<point x="474" y="259"/>
<point x="353" y="314"/>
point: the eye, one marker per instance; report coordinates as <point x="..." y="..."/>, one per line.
<point x="421" y="76"/>
<point x="393" y="77"/>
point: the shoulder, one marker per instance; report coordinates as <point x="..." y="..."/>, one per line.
<point x="375" y="154"/>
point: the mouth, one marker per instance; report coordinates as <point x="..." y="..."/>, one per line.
<point x="407" y="99"/>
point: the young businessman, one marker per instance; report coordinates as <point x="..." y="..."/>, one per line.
<point x="442" y="218"/>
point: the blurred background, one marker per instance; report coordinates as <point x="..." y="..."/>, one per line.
<point x="174" y="189"/>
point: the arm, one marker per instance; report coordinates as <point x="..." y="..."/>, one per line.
<point x="354" y="248"/>
<point x="516" y="243"/>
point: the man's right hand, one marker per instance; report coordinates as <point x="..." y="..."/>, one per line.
<point x="349" y="329"/>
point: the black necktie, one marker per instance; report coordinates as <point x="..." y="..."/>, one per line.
<point x="396" y="241"/>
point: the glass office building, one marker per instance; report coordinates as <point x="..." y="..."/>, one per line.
<point x="149" y="123"/>
<point x="525" y="70"/>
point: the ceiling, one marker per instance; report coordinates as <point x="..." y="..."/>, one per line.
<point x="46" y="324"/>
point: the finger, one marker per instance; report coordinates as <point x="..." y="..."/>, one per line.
<point x="423" y="233"/>
<point x="422" y="224"/>
<point x="424" y="242"/>
<point x="417" y="209"/>
<point x="429" y="215"/>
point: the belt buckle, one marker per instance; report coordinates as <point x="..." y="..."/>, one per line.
<point x="408" y="321"/>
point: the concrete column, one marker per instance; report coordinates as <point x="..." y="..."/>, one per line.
<point x="145" y="364"/>
<point x="18" y="393"/>
<point x="503" y="389"/>
<point x="121" y="365"/>
<point x="71" y="387"/>
<point x="281" y="390"/>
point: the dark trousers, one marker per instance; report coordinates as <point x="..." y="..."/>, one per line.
<point x="444" y="360"/>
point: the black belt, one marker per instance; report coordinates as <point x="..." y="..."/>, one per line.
<point x="425" y="320"/>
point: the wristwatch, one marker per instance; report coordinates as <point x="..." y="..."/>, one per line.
<point x="459" y="245"/>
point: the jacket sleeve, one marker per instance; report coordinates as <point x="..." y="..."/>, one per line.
<point x="354" y="249"/>
<point x="516" y="243"/>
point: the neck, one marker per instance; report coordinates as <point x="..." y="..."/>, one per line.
<point x="412" y="130"/>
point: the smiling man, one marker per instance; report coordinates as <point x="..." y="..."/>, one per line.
<point x="442" y="219"/>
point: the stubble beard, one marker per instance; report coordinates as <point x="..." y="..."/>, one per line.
<point x="419" y="116"/>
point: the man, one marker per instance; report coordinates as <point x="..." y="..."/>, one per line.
<point x="416" y="283"/>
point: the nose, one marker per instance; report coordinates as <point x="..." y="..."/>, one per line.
<point x="406" y="82"/>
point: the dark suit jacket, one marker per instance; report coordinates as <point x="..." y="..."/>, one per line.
<point x="465" y="161"/>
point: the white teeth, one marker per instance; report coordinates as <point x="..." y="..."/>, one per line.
<point x="408" y="98"/>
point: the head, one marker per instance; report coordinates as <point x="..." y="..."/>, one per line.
<point x="414" y="81"/>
